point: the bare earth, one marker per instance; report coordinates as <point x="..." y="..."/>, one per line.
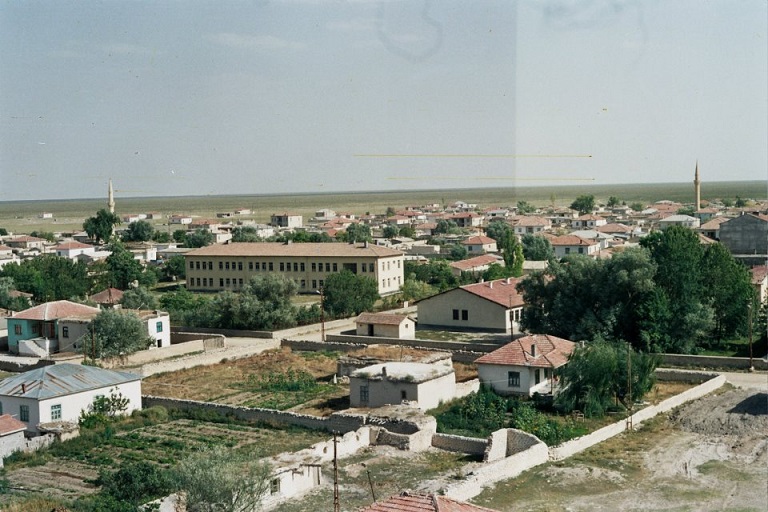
<point x="711" y="454"/>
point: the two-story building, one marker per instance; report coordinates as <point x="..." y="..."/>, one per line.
<point x="230" y="266"/>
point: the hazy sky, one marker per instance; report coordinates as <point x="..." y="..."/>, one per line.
<point x="246" y="97"/>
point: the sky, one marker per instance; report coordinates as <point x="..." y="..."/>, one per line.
<point x="193" y="97"/>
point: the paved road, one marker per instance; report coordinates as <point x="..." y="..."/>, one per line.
<point x="755" y="380"/>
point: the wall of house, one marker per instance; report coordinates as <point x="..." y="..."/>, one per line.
<point x="159" y="328"/>
<point x="293" y="482"/>
<point x="427" y="395"/>
<point x="497" y="376"/>
<point x="11" y="443"/>
<point x="75" y="329"/>
<point x="437" y="311"/>
<point x="14" y="336"/>
<point x="745" y="235"/>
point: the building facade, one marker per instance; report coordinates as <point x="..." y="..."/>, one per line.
<point x="230" y="266"/>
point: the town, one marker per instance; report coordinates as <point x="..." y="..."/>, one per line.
<point x="427" y="357"/>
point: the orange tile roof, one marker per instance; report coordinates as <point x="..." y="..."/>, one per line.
<point x="72" y="245"/>
<point x="501" y="291"/>
<point x="529" y="220"/>
<point x="55" y="310"/>
<point x="571" y="240"/>
<point x="550" y="352"/>
<point x="614" y="228"/>
<point x="475" y="240"/>
<point x="108" y="296"/>
<point x="412" y="502"/>
<point x="295" y="250"/>
<point x="477" y="261"/>
<point x="9" y="425"/>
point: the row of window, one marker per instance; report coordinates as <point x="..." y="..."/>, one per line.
<point x="269" y="266"/>
<point x="24" y="412"/>
<point x="513" y="378"/>
<point x="464" y="314"/>
<point x="226" y="282"/>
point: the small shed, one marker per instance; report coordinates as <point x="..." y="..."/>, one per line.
<point x="386" y="325"/>
<point x="11" y="436"/>
<point x="419" y="384"/>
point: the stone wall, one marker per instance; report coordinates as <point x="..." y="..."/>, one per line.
<point x="713" y="361"/>
<point x="465" y="388"/>
<point x="579" y="444"/>
<point x="338" y="422"/>
<point x="424" y="344"/>
<point x="461" y="444"/>
<point x="318" y="346"/>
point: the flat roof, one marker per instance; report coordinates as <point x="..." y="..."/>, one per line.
<point x="405" y="372"/>
<point x="331" y="249"/>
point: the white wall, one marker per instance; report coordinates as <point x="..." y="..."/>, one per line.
<point x="497" y="376"/>
<point x="163" y="335"/>
<point x="482" y="314"/>
<point x="428" y="395"/>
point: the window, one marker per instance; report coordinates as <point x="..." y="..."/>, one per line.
<point x="513" y="379"/>
<point x="314" y="267"/>
<point x="24" y="412"/>
<point x="295" y="267"/>
<point x="210" y="265"/>
<point x="258" y="266"/>
<point x="227" y="281"/>
<point x="321" y="284"/>
<point x="314" y="284"/>
<point x="65" y="332"/>
<point x="250" y="265"/>
<point x="1" y="408"/>
<point x="55" y="412"/>
<point x="233" y="265"/>
<point x="205" y="281"/>
<point x="537" y="376"/>
<point x="455" y="314"/>
<point x="17" y="329"/>
<point x="464" y="314"/>
<point x="159" y="327"/>
<point x="239" y="265"/>
<point x="335" y="267"/>
<point x="282" y="267"/>
<point x="221" y="281"/>
<point x="364" y="394"/>
<point x="240" y="282"/>
<point x="221" y="265"/>
<point x="191" y="265"/>
<point x="370" y="267"/>
<point x="271" y="266"/>
<point x="274" y="486"/>
<point x="567" y="250"/>
<point x="36" y="328"/>
<point x="327" y="267"/>
<point x="303" y="283"/>
<point x="197" y="265"/>
<point x="226" y="265"/>
<point x="302" y="267"/>
<point x="403" y="395"/>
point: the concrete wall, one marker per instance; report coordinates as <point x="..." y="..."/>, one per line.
<point x="461" y="444"/>
<point x="425" y="344"/>
<point x="745" y="234"/>
<point x="582" y="443"/>
<point x="506" y="468"/>
<point x="713" y="361"/>
<point x="211" y="343"/>
<point x="481" y="313"/>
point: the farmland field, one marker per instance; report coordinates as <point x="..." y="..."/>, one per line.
<point x="22" y="216"/>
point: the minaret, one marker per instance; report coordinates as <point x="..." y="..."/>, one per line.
<point x="111" y="197"/>
<point x="697" y="188"/>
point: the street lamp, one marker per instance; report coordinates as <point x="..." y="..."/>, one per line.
<point x="322" y="314"/>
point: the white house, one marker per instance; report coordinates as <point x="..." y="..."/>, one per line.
<point x="286" y="220"/>
<point x="386" y="325"/>
<point x="529" y="224"/>
<point x="588" y="221"/>
<point x="571" y="244"/>
<point x="489" y="306"/>
<point x="420" y="384"/>
<point x="157" y="324"/>
<point x="480" y="244"/>
<point x="524" y="366"/>
<point x="476" y="265"/>
<point x="59" y="393"/>
<point x="70" y="250"/>
<point x="679" y="220"/>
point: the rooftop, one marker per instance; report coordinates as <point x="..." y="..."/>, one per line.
<point x="62" y="379"/>
<point x="406" y="372"/>
<point x="537" y="350"/>
<point x="412" y="502"/>
<point x="55" y="310"/>
<point x="295" y="250"/>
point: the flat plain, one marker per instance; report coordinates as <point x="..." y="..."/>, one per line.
<point x="23" y="216"/>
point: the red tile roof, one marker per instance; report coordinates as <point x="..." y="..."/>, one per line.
<point x="9" y="425"/>
<point x="411" y="502"/>
<point x="501" y="291"/>
<point x="55" y="310"/>
<point x="614" y="228"/>
<point x="72" y="245"/>
<point x="477" y="261"/>
<point x="108" y="296"/>
<point x="550" y="352"/>
<point x="479" y="240"/>
<point x="295" y="250"/>
<point x="759" y="273"/>
<point x="571" y="240"/>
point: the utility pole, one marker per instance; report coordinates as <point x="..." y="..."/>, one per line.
<point x="336" y="504"/>
<point x="629" y="385"/>
<point x="751" y="368"/>
<point x="322" y="316"/>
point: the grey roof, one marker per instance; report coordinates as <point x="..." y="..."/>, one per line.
<point x="62" y="379"/>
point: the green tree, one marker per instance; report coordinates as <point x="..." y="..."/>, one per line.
<point x="390" y="231"/>
<point x="537" y="248"/>
<point x="437" y="273"/>
<point x="613" y="201"/>
<point x="390" y="212"/>
<point x="3" y="232"/>
<point x="584" y="204"/>
<point x="408" y="231"/>
<point x="728" y="289"/>
<point x="122" y="269"/>
<point x="358" y="232"/>
<point x="139" y="231"/>
<point x="499" y="231"/>
<point x="199" y="238"/>
<point x="179" y="236"/>
<point x="637" y="207"/>
<point x="135" y="483"/>
<point x="496" y="271"/>
<point x="114" y="333"/>
<point x="525" y="208"/>
<point x="447" y="227"/>
<point x="175" y="267"/>
<point x="413" y="290"/>
<point x="458" y="252"/>
<point x="596" y="376"/>
<point x="240" y="480"/>
<point x="245" y="234"/>
<point x="513" y="255"/>
<point x="740" y="203"/>
<point x="138" y="298"/>
<point x="161" y="237"/>
<point x="688" y="210"/>
<point x="101" y="226"/>
<point x="727" y="202"/>
<point x="347" y="294"/>
<point x="46" y="235"/>
<point x="7" y="301"/>
<point x="49" y="277"/>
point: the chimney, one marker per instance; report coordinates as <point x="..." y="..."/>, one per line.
<point x="509" y="280"/>
<point x="384" y="372"/>
<point x="490" y="284"/>
<point x="365" y="244"/>
<point x="23" y="388"/>
<point x="533" y="350"/>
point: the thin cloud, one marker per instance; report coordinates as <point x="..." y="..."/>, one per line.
<point x="353" y="25"/>
<point x="127" y="49"/>
<point x="249" y="42"/>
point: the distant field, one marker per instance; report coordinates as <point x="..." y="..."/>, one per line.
<point x="22" y="216"/>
